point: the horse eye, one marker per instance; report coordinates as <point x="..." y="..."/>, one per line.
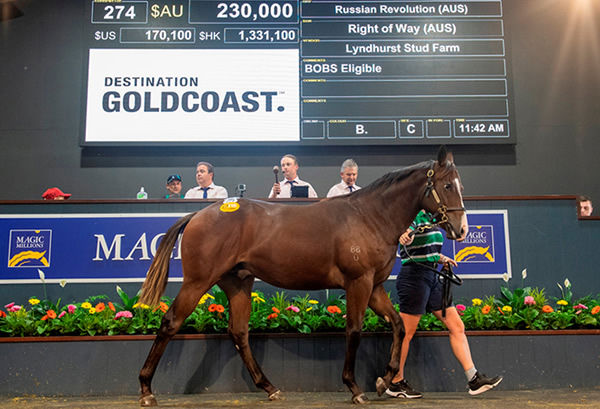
<point x="448" y="186"/>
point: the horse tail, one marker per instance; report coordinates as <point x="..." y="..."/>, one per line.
<point x="156" y="278"/>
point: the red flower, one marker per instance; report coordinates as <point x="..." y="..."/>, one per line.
<point x="334" y="309"/>
<point x="272" y="316"/>
<point x="2" y="314"/>
<point x="276" y="310"/>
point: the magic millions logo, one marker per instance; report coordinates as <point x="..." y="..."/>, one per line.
<point x="478" y="246"/>
<point x="29" y="248"/>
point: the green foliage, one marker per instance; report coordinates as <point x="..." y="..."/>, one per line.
<point x="280" y="313"/>
<point x="127" y="303"/>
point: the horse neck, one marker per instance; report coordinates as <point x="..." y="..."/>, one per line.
<point x="397" y="205"/>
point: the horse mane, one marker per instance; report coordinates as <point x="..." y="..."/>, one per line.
<point x="389" y="179"/>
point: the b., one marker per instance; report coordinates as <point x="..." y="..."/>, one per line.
<point x="420" y="291"/>
<point x="349" y="173"/>
<point x="283" y="189"/>
<point x="206" y="188"/>
<point x="174" y="187"/>
<point x="584" y="206"/>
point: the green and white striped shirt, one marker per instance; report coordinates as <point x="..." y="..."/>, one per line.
<point x="426" y="246"/>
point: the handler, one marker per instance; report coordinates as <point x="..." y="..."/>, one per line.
<point x="419" y="291"/>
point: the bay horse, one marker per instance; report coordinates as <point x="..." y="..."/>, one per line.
<point x="346" y="242"/>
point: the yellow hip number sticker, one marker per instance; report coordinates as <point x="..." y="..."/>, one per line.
<point x="228" y="207"/>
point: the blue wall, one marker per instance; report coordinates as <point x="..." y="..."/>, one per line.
<point x="545" y="237"/>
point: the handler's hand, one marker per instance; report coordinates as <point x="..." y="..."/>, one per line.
<point x="447" y="260"/>
<point x="405" y="239"/>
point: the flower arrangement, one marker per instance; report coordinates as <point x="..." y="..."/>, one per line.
<point x="521" y="308"/>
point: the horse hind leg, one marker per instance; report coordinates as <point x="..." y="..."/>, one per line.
<point x="238" y="287"/>
<point x="357" y="295"/>
<point x="182" y="307"/>
<point x="381" y="304"/>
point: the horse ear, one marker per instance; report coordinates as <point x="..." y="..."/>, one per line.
<point x="444" y="157"/>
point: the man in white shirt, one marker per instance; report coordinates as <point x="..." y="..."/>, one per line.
<point x="206" y="188"/>
<point x="283" y="189"/>
<point x="349" y="173"/>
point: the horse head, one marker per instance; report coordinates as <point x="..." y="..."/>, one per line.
<point x="443" y="196"/>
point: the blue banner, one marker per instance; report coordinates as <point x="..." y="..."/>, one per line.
<point x="485" y="252"/>
<point x="120" y="247"/>
<point x="83" y="248"/>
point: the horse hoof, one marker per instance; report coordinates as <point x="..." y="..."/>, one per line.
<point x="147" y="401"/>
<point x="277" y="395"/>
<point x="380" y="386"/>
<point x="360" y="399"/>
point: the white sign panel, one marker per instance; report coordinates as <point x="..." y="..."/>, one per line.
<point x="192" y="95"/>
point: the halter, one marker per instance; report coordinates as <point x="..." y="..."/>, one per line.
<point x="440" y="216"/>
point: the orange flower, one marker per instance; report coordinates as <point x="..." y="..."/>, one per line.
<point x="50" y="314"/>
<point x="547" y="308"/>
<point x="212" y="307"/>
<point x="334" y="309"/>
<point x="596" y="310"/>
<point x="276" y="310"/>
<point x="2" y="314"/>
<point x="500" y="309"/>
<point x="163" y="306"/>
<point x="271" y="316"/>
<point x="100" y="307"/>
<point x="220" y="308"/>
<point x="486" y="309"/>
<point x="111" y="306"/>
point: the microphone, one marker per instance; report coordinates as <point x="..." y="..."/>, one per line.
<point x="276" y="171"/>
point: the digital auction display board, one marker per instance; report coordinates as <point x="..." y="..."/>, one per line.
<point x="305" y="72"/>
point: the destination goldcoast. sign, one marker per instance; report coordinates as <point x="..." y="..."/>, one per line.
<point x="83" y="247"/>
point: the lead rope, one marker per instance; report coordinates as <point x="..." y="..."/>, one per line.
<point x="446" y="274"/>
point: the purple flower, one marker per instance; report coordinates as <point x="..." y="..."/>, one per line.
<point x="293" y="308"/>
<point x="529" y="300"/>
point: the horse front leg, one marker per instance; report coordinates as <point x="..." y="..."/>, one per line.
<point x="238" y="287"/>
<point x="357" y="296"/>
<point x="381" y="304"/>
<point x="182" y="307"/>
